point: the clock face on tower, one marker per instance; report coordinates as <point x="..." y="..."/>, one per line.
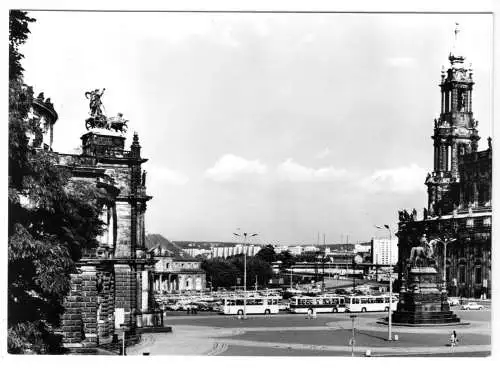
<point x="462" y="131"/>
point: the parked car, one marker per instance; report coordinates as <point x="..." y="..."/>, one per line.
<point x="453" y="301"/>
<point x="472" y="306"/>
<point x="201" y="306"/>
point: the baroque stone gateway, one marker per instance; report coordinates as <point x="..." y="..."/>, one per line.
<point x="112" y="289"/>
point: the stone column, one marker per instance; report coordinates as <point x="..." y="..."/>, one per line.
<point x="442" y="155"/>
<point x="103" y="216"/>
<point x="446" y="157"/>
<point x="475" y="194"/>
<point x="71" y="320"/>
<point x="442" y="101"/>
<point x="105" y="307"/>
<point x="123" y="239"/>
<point x="89" y="306"/>
<point x="145" y="291"/>
<point x="125" y="302"/>
<point x="111" y="227"/>
<point x="454" y="159"/>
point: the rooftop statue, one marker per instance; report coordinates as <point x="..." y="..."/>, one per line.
<point x="97" y="118"/>
<point x="117" y="123"/>
<point x="95" y="102"/>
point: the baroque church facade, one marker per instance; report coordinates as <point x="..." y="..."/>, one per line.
<point x="459" y="208"/>
<point x="112" y="290"/>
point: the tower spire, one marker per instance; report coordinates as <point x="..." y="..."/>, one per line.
<point x="456" y="54"/>
<point x="455" y="132"/>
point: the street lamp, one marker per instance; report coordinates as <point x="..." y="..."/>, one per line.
<point x="245" y="236"/>
<point x="352" y="341"/>
<point x="390" y="279"/>
<point x="445" y="240"/>
<point x="322" y="258"/>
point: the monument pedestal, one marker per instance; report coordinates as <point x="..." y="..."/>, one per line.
<point x="421" y="302"/>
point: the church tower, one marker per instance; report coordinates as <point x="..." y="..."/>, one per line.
<point x="455" y="132"/>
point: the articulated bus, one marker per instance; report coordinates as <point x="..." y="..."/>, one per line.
<point x="320" y="304"/>
<point x="370" y="303"/>
<point x="254" y="305"/>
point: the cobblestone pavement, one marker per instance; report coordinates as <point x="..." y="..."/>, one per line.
<point x="327" y="335"/>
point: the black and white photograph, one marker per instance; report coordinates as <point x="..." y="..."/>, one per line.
<point x="250" y="183"/>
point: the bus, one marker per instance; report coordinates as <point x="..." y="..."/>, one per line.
<point x="254" y="305"/>
<point x="320" y="304"/>
<point x="370" y="303"/>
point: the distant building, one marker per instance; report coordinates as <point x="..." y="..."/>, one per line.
<point x="173" y="273"/>
<point x="295" y="250"/>
<point x="280" y="248"/>
<point x="362" y="248"/>
<point x="384" y="251"/>
<point x="310" y="249"/>
<point x="225" y="252"/>
<point x="198" y="252"/>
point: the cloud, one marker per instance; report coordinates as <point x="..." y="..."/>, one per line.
<point x="400" y="180"/>
<point x="402" y="62"/>
<point x="324" y="153"/>
<point x="292" y="171"/>
<point x="229" y="167"/>
<point x="164" y="175"/>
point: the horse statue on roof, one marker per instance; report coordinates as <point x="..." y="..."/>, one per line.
<point x="118" y="123"/>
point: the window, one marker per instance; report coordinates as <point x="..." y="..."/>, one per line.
<point x="461" y="274"/>
<point x="239" y="302"/>
<point x="478" y="275"/>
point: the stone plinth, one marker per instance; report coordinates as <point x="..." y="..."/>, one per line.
<point x="102" y="142"/>
<point x="421" y="301"/>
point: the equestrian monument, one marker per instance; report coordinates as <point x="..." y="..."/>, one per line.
<point x="422" y="299"/>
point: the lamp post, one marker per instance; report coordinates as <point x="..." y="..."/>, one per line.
<point x="322" y="259"/>
<point x="445" y="240"/>
<point x="390" y="280"/>
<point x="245" y="236"/>
<point x="352" y="342"/>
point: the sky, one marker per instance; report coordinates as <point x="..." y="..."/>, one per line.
<point x="285" y="125"/>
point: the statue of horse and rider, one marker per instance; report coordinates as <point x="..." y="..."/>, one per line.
<point x="97" y="119"/>
<point x="423" y="254"/>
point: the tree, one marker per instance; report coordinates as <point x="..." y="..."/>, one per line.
<point x="18" y="34"/>
<point x="267" y="254"/>
<point x="51" y="219"/>
<point x="255" y="267"/>
<point x="260" y="270"/>
<point x="221" y="272"/>
<point x="286" y="258"/>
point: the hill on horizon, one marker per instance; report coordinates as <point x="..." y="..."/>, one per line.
<point x="155" y="240"/>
